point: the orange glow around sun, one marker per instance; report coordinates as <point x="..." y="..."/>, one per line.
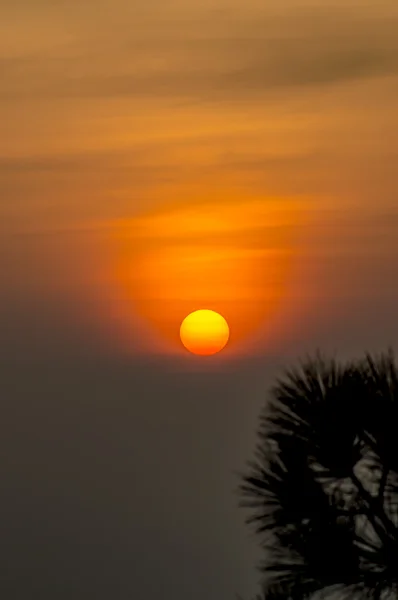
<point x="225" y="254"/>
<point x="204" y="332"/>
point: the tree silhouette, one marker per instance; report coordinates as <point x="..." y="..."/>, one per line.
<point x="322" y="488"/>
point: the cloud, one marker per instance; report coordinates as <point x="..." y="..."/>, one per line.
<point x="205" y="60"/>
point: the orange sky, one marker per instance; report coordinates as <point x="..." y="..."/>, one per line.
<point x="227" y="254"/>
<point x="157" y="158"/>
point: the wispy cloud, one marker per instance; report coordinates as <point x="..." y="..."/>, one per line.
<point x="211" y="59"/>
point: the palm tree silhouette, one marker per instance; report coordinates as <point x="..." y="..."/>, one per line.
<point x="322" y="488"/>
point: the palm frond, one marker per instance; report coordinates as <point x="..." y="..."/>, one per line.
<point x="322" y="488"/>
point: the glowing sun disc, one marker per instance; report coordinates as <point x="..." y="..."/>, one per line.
<point x="204" y="332"/>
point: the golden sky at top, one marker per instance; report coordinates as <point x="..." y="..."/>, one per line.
<point x="114" y="115"/>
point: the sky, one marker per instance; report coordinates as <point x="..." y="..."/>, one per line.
<point x="156" y="159"/>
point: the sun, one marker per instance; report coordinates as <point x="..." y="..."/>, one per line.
<point x="204" y="332"/>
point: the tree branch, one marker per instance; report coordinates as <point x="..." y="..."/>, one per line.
<point x="382" y="485"/>
<point x="374" y="512"/>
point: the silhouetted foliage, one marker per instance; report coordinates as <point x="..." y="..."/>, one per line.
<point x="322" y="488"/>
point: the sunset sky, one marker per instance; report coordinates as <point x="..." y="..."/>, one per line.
<point x="156" y="159"/>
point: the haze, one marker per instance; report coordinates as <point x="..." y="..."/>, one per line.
<point x="127" y="130"/>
